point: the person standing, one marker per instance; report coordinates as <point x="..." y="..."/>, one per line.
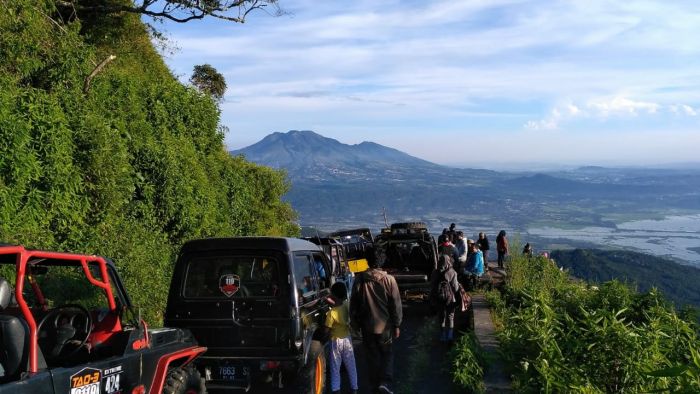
<point x="461" y="246"/>
<point x="337" y="320"/>
<point x="375" y="306"/>
<point x="443" y="295"/>
<point x="483" y="242"/>
<point x="475" y="265"/>
<point x="448" y="248"/>
<point x="501" y="247"/>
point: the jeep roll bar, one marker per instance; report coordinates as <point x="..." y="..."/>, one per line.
<point x="25" y="257"/>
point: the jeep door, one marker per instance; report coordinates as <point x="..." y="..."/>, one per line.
<point x="312" y="283"/>
<point x="236" y="303"/>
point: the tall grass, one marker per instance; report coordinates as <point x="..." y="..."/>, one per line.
<point x="563" y="335"/>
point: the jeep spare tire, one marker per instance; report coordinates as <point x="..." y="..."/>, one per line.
<point x="313" y="375"/>
<point x="409" y="226"/>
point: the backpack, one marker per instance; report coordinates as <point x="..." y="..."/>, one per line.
<point x="445" y="294"/>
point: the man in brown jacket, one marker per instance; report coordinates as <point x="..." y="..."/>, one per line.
<point x="375" y="307"/>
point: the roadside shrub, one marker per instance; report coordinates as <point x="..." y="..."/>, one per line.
<point x="468" y="364"/>
<point x="563" y="335"/>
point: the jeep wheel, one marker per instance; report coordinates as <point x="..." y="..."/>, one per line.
<point x="184" y="381"/>
<point x="313" y="376"/>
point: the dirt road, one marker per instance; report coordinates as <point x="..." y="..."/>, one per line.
<point x="420" y="359"/>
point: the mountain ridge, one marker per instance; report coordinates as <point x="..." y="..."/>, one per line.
<point x="309" y="155"/>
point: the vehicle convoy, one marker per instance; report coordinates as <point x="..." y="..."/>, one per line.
<point x="355" y="242"/>
<point x="258" y="304"/>
<point x="67" y="326"/>
<point x="409" y="253"/>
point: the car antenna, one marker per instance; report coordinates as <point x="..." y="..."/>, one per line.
<point x="318" y="237"/>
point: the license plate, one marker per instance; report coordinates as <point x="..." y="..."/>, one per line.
<point x="229" y="372"/>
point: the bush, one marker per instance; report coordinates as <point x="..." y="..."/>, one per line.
<point x="468" y="364"/>
<point x="561" y="335"/>
<point x="129" y="169"/>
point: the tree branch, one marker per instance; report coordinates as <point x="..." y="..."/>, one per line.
<point x="196" y="9"/>
<point x="88" y="80"/>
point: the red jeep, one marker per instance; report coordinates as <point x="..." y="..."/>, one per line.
<point x="67" y="326"/>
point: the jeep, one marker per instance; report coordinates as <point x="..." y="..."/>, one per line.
<point x="258" y="304"/>
<point x="409" y="253"/>
<point x="67" y="326"/>
<point x="355" y="242"/>
<point x="335" y="251"/>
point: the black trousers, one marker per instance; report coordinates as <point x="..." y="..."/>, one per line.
<point x="501" y="257"/>
<point x="380" y="357"/>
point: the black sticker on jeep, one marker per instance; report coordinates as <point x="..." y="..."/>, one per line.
<point x="111" y="380"/>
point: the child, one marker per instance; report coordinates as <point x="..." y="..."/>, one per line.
<point x="337" y="321"/>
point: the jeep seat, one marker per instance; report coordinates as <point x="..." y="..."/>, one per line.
<point x="12" y="337"/>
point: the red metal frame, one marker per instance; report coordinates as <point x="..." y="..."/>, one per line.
<point x="162" y="369"/>
<point x="23" y="256"/>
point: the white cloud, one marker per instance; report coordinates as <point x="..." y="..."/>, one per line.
<point x="621" y="106"/>
<point x="683" y="109"/>
<point x="409" y="67"/>
<point x="604" y="108"/>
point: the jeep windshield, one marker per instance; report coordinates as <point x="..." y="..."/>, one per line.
<point x="223" y="277"/>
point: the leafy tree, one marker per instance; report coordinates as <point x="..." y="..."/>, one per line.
<point x="209" y="81"/>
<point x="131" y="167"/>
<point x="175" y="10"/>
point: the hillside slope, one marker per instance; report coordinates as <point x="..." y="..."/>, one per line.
<point x="677" y="282"/>
<point x="130" y="167"/>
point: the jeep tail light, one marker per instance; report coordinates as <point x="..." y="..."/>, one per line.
<point x="269" y="365"/>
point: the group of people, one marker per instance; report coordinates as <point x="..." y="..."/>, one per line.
<point x="460" y="261"/>
<point x="375" y="310"/>
<point x="471" y="256"/>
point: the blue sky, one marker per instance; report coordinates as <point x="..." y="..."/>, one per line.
<point x="492" y="83"/>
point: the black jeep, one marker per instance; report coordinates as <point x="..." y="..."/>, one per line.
<point x="408" y="252"/>
<point x="258" y="304"/>
<point x="67" y="326"/>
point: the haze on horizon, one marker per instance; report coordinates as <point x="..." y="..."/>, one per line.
<point x="492" y="83"/>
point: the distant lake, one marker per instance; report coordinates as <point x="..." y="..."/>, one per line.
<point x="674" y="236"/>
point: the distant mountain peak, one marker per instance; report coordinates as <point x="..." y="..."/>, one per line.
<point x="307" y="154"/>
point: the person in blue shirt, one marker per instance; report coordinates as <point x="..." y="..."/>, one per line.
<point x="475" y="264"/>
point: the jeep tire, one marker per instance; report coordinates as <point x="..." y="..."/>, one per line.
<point x="184" y="381"/>
<point x="312" y="379"/>
<point x="410" y="226"/>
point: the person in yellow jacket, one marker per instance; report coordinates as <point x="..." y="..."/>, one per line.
<point x="338" y="321"/>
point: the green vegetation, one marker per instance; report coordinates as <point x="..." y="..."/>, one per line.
<point x="128" y="163"/>
<point x="677" y="282"/>
<point x="561" y="335"/>
<point x="468" y="364"/>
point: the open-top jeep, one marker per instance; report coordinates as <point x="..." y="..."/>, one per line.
<point x="68" y="326"/>
<point x="258" y="304"/>
<point x="355" y="242"/>
<point x="408" y="252"/>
